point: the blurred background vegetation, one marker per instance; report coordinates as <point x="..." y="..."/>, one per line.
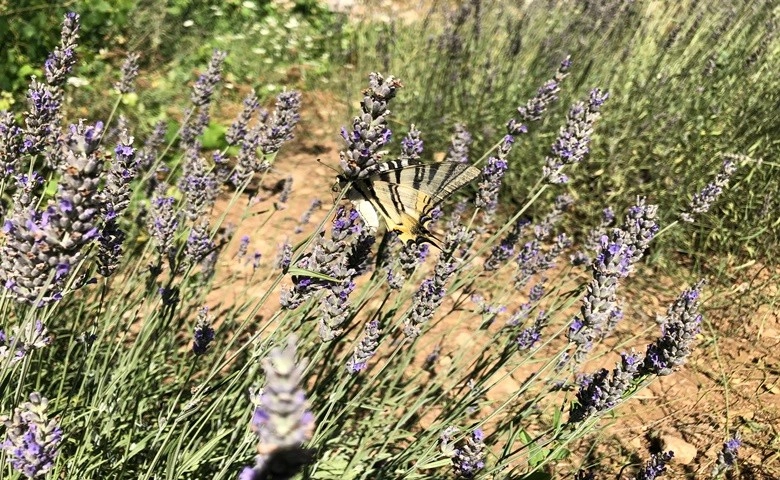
<point x="688" y="82"/>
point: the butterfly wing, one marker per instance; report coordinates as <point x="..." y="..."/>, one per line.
<point x="403" y="195"/>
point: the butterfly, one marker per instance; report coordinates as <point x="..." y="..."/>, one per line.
<point x="403" y="194"/>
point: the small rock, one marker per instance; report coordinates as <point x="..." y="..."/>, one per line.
<point x="684" y="452"/>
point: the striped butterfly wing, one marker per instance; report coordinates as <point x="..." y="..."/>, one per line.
<point x="403" y="195"/>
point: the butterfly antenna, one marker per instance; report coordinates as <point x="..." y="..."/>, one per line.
<point x="319" y="160"/>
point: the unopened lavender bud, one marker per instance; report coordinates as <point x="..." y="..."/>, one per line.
<point x="204" y="332"/>
<point x="602" y="391"/>
<point x="306" y="217"/>
<point x="11" y="144"/>
<point x="280" y="125"/>
<point x="284" y="195"/>
<point x="703" y="201"/>
<point x="163" y="222"/>
<point x="469" y="457"/>
<point x="199" y="243"/>
<point x="63" y="58"/>
<point x="126" y="83"/>
<point x="492" y="174"/>
<point x="655" y="467"/>
<point x="204" y="87"/>
<point x="243" y="246"/>
<point x="148" y="154"/>
<point x="412" y="145"/>
<point x="109" y="254"/>
<point x="459" y="145"/>
<point x="365" y="349"/>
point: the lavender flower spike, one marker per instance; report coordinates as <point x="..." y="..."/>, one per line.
<point x="129" y="73"/>
<point x="702" y="201"/>
<point x="23" y="339"/>
<point x="469" y="458"/>
<point x="238" y="129"/>
<point x="365" y="349"/>
<point x="63" y="58"/>
<point x="280" y="125"/>
<point x="545" y="96"/>
<point x="411" y="145"/>
<point x="680" y="327"/>
<point x="369" y="132"/>
<point x="573" y="142"/>
<point x="459" y="145"/>
<point x="656" y="466"/>
<point x="31" y="439"/>
<point x="727" y="457"/>
<point x="204" y="86"/>
<point x="281" y="420"/>
<point x="496" y="167"/>
<point x="602" y="391"/>
<point x="204" y="332"/>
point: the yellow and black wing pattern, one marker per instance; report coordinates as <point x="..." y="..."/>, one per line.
<point x="403" y="194"/>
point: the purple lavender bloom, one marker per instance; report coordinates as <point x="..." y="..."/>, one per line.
<point x="492" y="174"/>
<point x="280" y="125"/>
<point x="505" y="250"/>
<point x="243" y="246"/>
<point x="163" y="222"/>
<point x="655" y="467"/>
<point x="123" y="170"/>
<point x="31" y="438"/>
<point x="365" y="349"/>
<point x="601" y="391"/>
<point x="679" y="329"/>
<point x="727" y="457"/>
<point x="42" y="117"/>
<point x="411" y="145"/>
<point x="199" y="243"/>
<point x="203" y="89"/>
<point x="281" y="419"/>
<point x="469" y="457"/>
<point x="238" y="129"/>
<point x="129" y="70"/>
<point x="703" y="201"/>
<point x="572" y="144"/>
<point x="410" y="256"/>
<point x="23" y="339"/>
<point x="430" y="294"/>
<point x="459" y="145"/>
<point x="204" y="332"/>
<point x="198" y="184"/>
<point x="63" y="58"/>
<point x="316" y="204"/>
<point x="369" y="132"/>
<point x="593" y="242"/>
<point x="11" y="146"/>
<point x="639" y="228"/>
<point x="545" y="96"/>
<point x="531" y="335"/>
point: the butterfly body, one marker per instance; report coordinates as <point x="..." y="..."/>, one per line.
<point x="403" y="194"/>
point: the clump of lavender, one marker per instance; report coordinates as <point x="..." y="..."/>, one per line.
<point x="316" y="204"/>
<point x="204" y="332"/>
<point x="430" y="294"/>
<point x="656" y="466"/>
<point x="468" y="457"/>
<point x="459" y="145"/>
<point x="23" y="339"/>
<point x="126" y="83"/>
<point x="545" y="96"/>
<point x="703" y="201"/>
<point x="602" y="391"/>
<point x="369" y="132"/>
<point x="679" y="329"/>
<point x="44" y="246"/>
<point x="492" y="174"/>
<point x="366" y="349"/>
<point x="727" y="457"/>
<point x="31" y="438"/>
<point x="572" y="144"/>
<point x="281" y="419"/>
